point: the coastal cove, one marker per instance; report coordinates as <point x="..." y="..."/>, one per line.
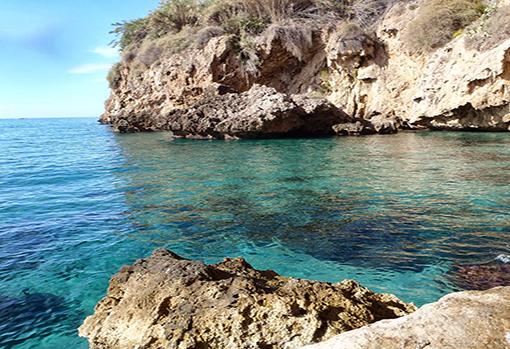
<point x="397" y="213"/>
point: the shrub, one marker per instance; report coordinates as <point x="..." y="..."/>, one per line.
<point x="204" y="35"/>
<point x="291" y="20"/>
<point x="438" y="20"/>
<point x="169" y="18"/>
<point x="173" y="15"/>
<point x="114" y="76"/>
<point x="253" y="16"/>
<point x="296" y="38"/>
<point x="494" y="30"/>
<point x="171" y="44"/>
<point x="130" y="32"/>
<point x="363" y="12"/>
<point x="149" y="53"/>
<point x="366" y="12"/>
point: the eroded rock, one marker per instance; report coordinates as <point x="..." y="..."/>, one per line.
<point x="166" y="301"/>
<point x="260" y="112"/>
<point x="467" y="320"/>
<point x="369" y="76"/>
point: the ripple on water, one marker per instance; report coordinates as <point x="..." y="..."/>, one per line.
<point x="398" y="213"/>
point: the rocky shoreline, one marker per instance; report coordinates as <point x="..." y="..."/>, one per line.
<point x="336" y="80"/>
<point x="166" y="301"/>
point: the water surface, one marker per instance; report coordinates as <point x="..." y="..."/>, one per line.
<point x="393" y="212"/>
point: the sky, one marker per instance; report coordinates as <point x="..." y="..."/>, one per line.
<point x="55" y="54"/>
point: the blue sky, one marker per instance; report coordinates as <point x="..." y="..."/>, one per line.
<point x="54" y="54"/>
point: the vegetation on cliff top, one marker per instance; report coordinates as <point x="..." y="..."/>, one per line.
<point x="438" y="21"/>
<point x="209" y="18"/>
<point x="234" y="16"/>
<point x="178" y="24"/>
<point x="492" y="30"/>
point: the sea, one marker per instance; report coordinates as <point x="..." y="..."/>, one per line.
<point x="397" y="213"/>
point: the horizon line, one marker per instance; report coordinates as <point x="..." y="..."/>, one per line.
<point x="46" y="117"/>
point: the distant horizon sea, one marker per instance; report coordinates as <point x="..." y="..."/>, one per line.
<point x="397" y="213"/>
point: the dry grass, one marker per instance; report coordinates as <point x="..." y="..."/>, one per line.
<point x="180" y="24"/>
<point x="268" y="11"/>
<point x="437" y="22"/>
<point x="149" y="53"/>
<point x="249" y="16"/>
<point x="493" y="31"/>
<point x="296" y="38"/>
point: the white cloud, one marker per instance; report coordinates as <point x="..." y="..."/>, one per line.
<point x="106" y="51"/>
<point x="90" y="68"/>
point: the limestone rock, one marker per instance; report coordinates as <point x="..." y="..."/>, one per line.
<point x="467" y="320"/>
<point x="373" y="77"/>
<point x="257" y="113"/>
<point x="357" y="127"/>
<point x="166" y="301"/>
<point x="452" y="88"/>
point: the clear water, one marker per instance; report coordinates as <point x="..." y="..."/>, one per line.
<point x="394" y="212"/>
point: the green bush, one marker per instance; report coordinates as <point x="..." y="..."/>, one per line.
<point x="173" y="15"/>
<point x="437" y="21"/>
<point x="169" y="18"/>
<point x="130" y="32"/>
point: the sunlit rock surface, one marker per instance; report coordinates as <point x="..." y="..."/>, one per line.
<point x="370" y="77"/>
<point x="467" y="320"/>
<point x="166" y="301"/>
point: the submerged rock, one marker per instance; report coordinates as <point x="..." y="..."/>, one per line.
<point x="467" y="320"/>
<point x="34" y="313"/>
<point x="481" y="276"/>
<point x="166" y="301"/>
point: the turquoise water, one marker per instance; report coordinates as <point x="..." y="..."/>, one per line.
<point x="393" y="212"/>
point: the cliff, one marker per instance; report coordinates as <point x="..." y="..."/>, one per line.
<point x="369" y="73"/>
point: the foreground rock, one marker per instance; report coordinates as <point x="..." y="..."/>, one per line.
<point x="467" y="320"/>
<point x="166" y="301"/>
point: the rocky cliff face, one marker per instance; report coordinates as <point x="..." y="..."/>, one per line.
<point x="454" y="87"/>
<point x="378" y="83"/>
<point x="166" y="301"/>
<point x="468" y="320"/>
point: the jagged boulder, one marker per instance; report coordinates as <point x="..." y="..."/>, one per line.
<point x="467" y="320"/>
<point x="166" y="301"/>
<point x="260" y="112"/>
